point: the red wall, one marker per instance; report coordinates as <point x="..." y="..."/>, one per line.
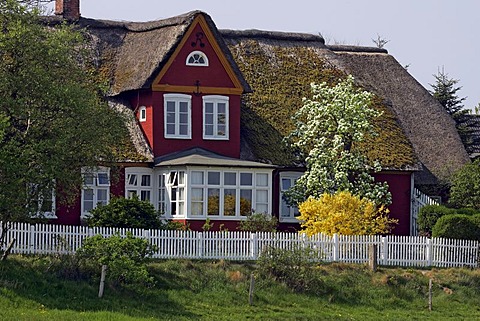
<point x="165" y="146"/>
<point x="399" y="186"/>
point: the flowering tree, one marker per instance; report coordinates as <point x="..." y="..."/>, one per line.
<point x="327" y="128"/>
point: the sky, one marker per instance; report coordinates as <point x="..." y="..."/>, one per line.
<point x="425" y="35"/>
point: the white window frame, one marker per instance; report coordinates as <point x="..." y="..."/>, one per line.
<point x="142" y="114"/>
<point x="222" y="186"/>
<point x="96" y="185"/>
<point x="197" y="63"/>
<point x="137" y="188"/>
<point x="177" y="99"/>
<point x="290" y="218"/>
<point x="215" y="100"/>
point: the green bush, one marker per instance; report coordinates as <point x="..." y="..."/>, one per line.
<point x="429" y="215"/>
<point x="126" y="213"/>
<point x="465" y="190"/>
<point x="295" y="268"/>
<point x="259" y="222"/>
<point x="458" y="226"/>
<point x="126" y="258"/>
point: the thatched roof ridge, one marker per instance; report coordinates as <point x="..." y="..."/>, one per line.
<point x="349" y="48"/>
<point x="272" y="35"/>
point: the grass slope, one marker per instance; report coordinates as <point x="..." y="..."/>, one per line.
<point x="38" y="288"/>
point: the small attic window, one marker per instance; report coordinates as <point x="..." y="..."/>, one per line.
<point x="197" y="58"/>
<point x="142" y="113"/>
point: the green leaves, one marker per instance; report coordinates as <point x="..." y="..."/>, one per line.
<point x="57" y="121"/>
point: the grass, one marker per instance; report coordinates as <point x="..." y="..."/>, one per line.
<point x="43" y="288"/>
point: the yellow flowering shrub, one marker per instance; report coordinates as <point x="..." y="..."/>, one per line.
<point x="344" y="213"/>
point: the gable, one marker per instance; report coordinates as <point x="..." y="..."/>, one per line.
<point x="213" y="75"/>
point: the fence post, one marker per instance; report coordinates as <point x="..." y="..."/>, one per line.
<point x="385" y="250"/>
<point x="429" y="252"/>
<point x="31" y="240"/>
<point x="200" y="244"/>
<point x="336" y="247"/>
<point x="254" y="246"/>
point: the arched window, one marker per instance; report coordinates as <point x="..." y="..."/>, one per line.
<point x="197" y="58"/>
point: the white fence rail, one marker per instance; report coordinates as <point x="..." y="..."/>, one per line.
<point x="392" y="250"/>
<point x="419" y="200"/>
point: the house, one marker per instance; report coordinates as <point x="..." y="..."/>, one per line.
<point x="209" y="108"/>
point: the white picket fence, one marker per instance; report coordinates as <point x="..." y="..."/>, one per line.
<point x="392" y="250"/>
<point x="419" y="200"/>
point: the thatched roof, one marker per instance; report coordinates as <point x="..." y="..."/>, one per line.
<point x="279" y="67"/>
<point x="414" y="126"/>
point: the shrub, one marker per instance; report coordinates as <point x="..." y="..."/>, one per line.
<point x="344" y="213"/>
<point x="429" y="215"/>
<point x="126" y="257"/>
<point x="293" y="267"/>
<point x="129" y="213"/>
<point x="259" y="222"/>
<point x="465" y="190"/>
<point x="457" y="226"/>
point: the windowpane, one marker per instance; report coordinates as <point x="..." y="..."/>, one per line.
<point x="132" y="179"/>
<point x="229" y="202"/>
<point x="209" y="130"/>
<point x="183" y="118"/>
<point x="261" y="208"/>
<point x="197" y="178"/>
<point x="183" y="130"/>
<point x="183" y="107"/>
<point x="262" y="179"/>
<point x="102" y="196"/>
<point x="245" y="202"/>
<point x="285" y="209"/>
<point x="213" y="178"/>
<point x="197" y="201"/>
<point x="145" y="195"/>
<point x="246" y="179"/>
<point x="286" y="184"/>
<point x="171" y="107"/>
<point x="262" y="196"/>
<point x="171" y="129"/>
<point x="213" y="201"/>
<point x="209" y="108"/>
<point x="88" y="179"/>
<point x="209" y="119"/>
<point x="221" y="108"/>
<point x="221" y="131"/>
<point x="103" y="179"/>
<point x="145" y="180"/>
<point x="230" y="178"/>
<point x="181" y="177"/>
<point x="88" y="195"/>
<point x="131" y="193"/>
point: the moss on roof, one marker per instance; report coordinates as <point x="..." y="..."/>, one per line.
<point x="280" y="77"/>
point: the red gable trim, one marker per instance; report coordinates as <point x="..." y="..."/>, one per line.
<point x="200" y="19"/>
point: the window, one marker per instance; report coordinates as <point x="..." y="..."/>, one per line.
<point x="228" y="193"/>
<point x="139" y="183"/>
<point x="177" y="111"/>
<point x="43" y="201"/>
<point x="215" y="117"/>
<point x="197" y="58"/>
<point x="142" y="114"/>
<point x="175" y="185"/>
<point x="96" y="188"/>
<point x="287" y="180"/>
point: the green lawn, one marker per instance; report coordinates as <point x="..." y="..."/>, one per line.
<point x="33" y="288"/>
